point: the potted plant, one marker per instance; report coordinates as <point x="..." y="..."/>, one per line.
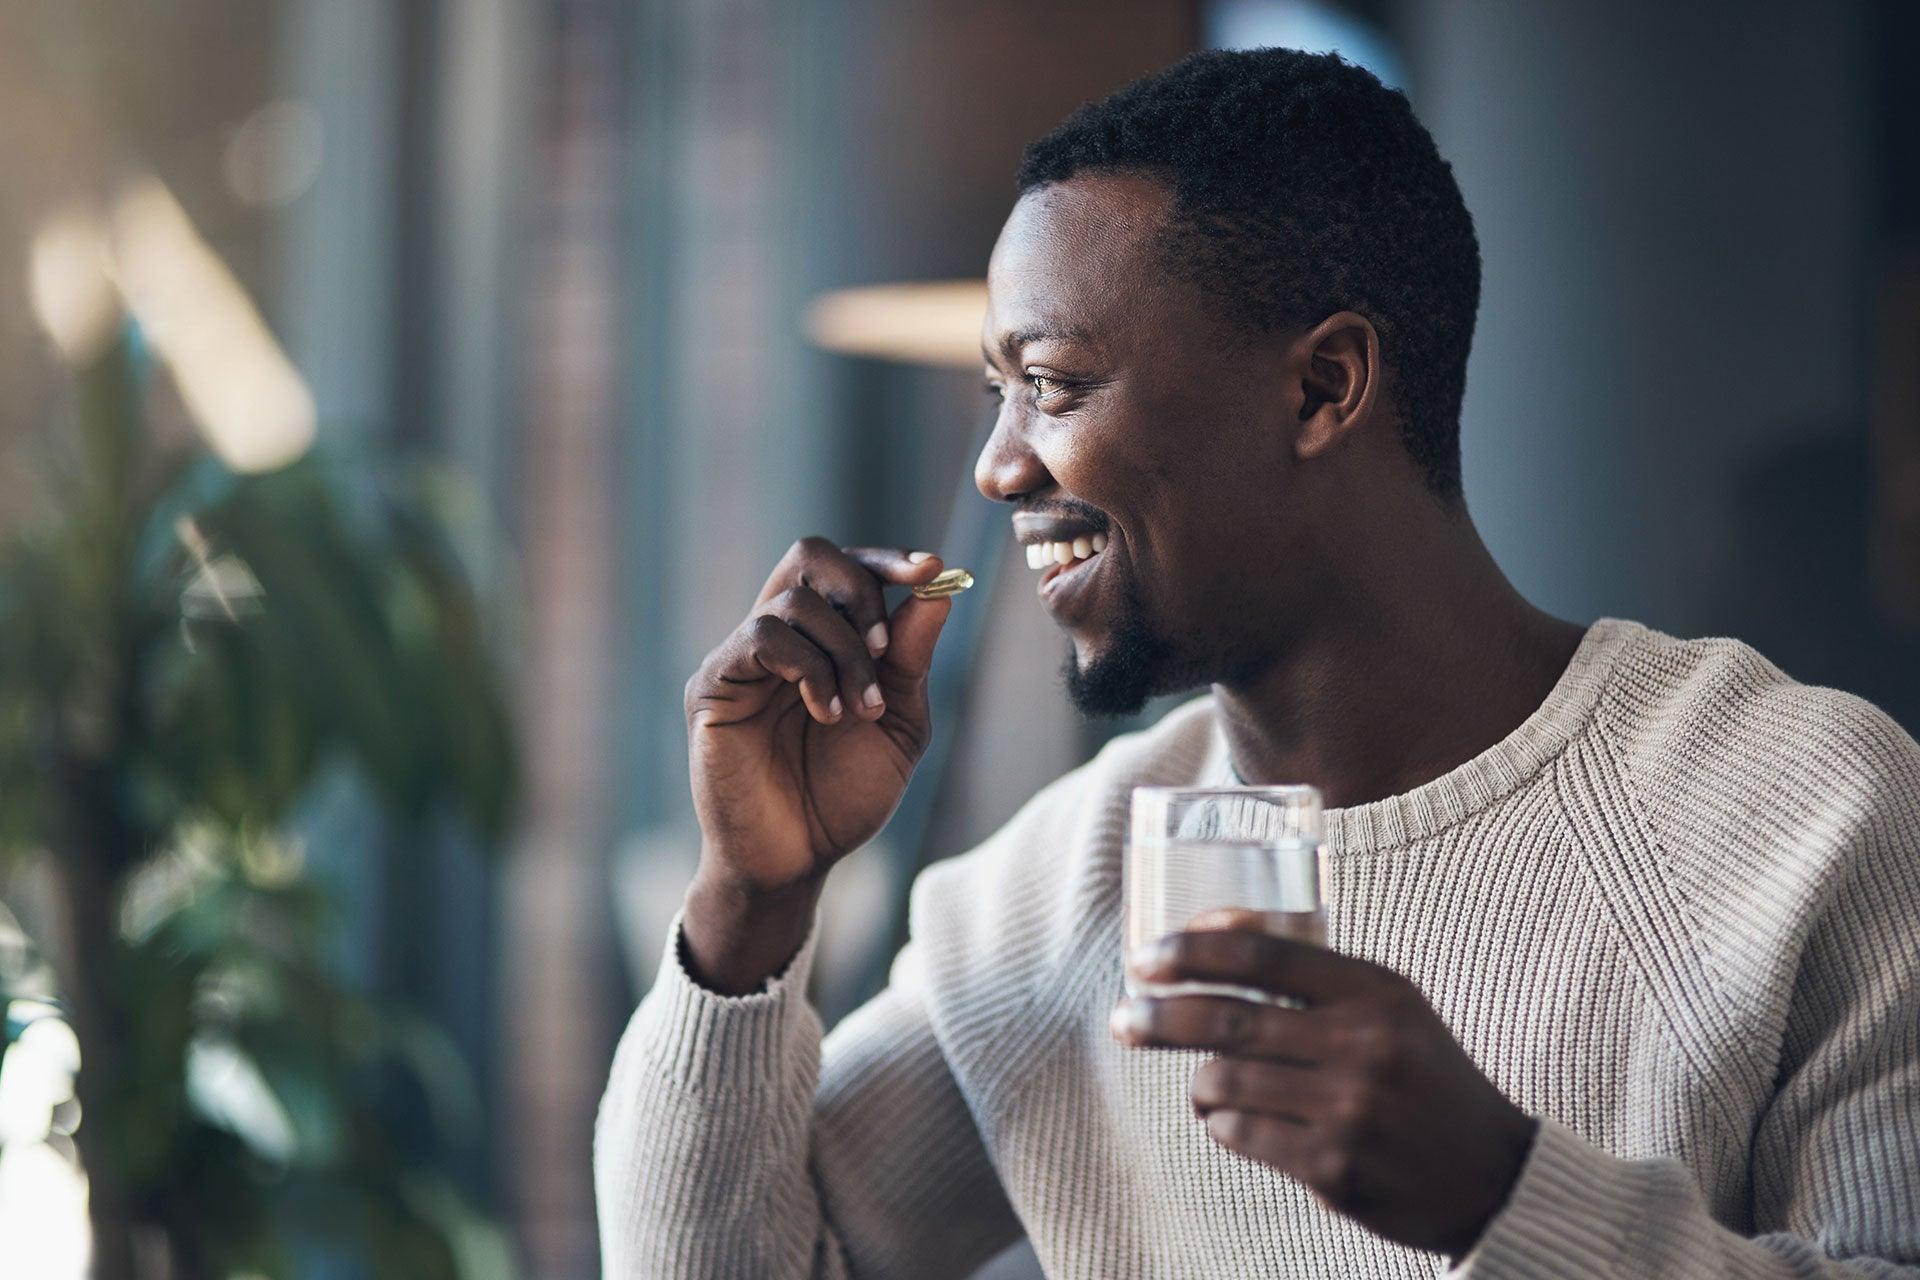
<point x="184" y="651"/>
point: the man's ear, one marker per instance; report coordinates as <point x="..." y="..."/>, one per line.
<point x="1339" y="369"/>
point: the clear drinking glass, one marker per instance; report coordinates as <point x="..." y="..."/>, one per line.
<point x="1195" y="849"/>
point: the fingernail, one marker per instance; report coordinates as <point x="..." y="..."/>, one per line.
<point x="919" y="557"/>
<point x="877" y="639"/>
<point x="834" y="708"/>
<point x="871" y="696"/>
<point x="1149" y="957"/>
<point x="1128" y="1020"/>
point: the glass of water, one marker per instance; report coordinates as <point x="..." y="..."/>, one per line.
<point x="1198" y="849"/>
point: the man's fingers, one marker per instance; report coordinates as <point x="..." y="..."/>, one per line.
<point x="1219" y="1024"/>
<point x="901" y="566"/>
<point x="838" y="578"/>
<point x="897" y="565"/>
<point x="766" y="646"/>
<point x="808" y="613"/>
<point x="916" y="627"/>
<point x="1283" y="1144"/>
<point x="850" y="579"/>
<point x="1251" y="958"/>
<point x="1285" y="1089"/>
<point x="1333" y="1170"/>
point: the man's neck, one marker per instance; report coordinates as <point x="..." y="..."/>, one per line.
<point x="1394" y="689"/>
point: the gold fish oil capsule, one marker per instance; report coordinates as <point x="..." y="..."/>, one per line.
<point x="948" y="583"/>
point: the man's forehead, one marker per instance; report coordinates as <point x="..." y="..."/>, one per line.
<point x="1070" y="254"/>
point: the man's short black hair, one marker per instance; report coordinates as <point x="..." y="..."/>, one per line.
<point x="1303" y="186"/>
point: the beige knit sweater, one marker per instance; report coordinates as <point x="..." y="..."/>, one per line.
<point x="1676" y="915"/>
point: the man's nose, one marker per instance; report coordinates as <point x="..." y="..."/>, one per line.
<point x="1007" y="468"/>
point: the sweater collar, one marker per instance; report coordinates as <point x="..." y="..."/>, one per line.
<point x="1484" y="780"/>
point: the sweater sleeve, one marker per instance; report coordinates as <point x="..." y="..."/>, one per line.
<point x="732" y="1142"/>
<point x="1835" y="1164"/>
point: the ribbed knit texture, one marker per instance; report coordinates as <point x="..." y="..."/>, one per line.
<point x="1675" y="915"/>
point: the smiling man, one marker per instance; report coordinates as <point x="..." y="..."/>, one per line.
<point x="1624" y="976"/>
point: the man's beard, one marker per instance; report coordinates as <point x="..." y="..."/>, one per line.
<point x="1138" y="664"/>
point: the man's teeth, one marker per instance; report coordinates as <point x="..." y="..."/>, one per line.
<point x="1041" y="555"/>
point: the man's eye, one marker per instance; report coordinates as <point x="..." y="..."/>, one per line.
<point x="1044" y="386"/>
<point x="998" y="390"/>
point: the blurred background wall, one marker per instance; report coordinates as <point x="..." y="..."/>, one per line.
<point x="569" y="249"/>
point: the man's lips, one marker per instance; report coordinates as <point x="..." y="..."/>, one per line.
<point x="1068" y="591"/>
<point x="1064" y="549"/>
<point x="1038" y="526"/>
<point x="1073" y="569"/>
<point x="1058" y="540"/>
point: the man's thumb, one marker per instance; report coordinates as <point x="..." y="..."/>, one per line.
<point x="912" y="632"/>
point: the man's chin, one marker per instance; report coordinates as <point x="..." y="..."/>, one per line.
<point x="1119" y="678"/>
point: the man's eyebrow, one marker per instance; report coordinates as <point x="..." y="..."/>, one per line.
<point x="1012" y="341"/>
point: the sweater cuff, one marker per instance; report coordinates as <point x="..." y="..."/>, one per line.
<point x="704" y="1040"/>
<point x="1562" y="1219"/>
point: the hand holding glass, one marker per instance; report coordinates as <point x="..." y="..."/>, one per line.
<point x="1194" y="850"/>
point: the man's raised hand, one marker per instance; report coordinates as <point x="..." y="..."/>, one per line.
<point x="803" y="727"/>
